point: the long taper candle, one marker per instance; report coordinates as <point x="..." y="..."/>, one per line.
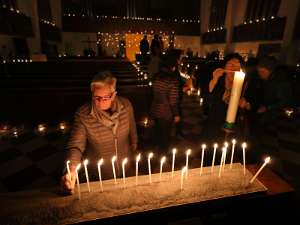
<point x="113" y="160"/>
<point x="123" y="169"/>
<point x="267" y="160"/>
<point x="87" y="174"/>
<point x="100" y="162"/>
<point x="202" y="158"/>
<point x="221" y="162"/>
<point x="183" y="171"/>
<point x="244" y="145"/>
<point x="138" y="158"/>
<point x="149" y="166"/>
<point x="173" y="160"/>
<point x="188" y="152"/>
<point x="162" y="161"/>
<point x="77" y="179"/>
<point x="214" y="157"/>
<point x="232" y="152"/>
<point x="68" y="168"/>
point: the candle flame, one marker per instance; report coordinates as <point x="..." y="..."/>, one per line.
<point x="233" y="141"/>
<point x="174" y="150"/>
<point x="86" y="162"/>
<point x="244" y="145"/>
<point x="163" y="160"/>
<point x="226" y="144"/>
<point x="124" y="161"/>
<point x="204" y="146"/>
<point x="100" y="162"/>
<point x="215" y="145"/>
<point x="78" y="166"/>
<point x="188" y="152"/>
<point x="114" y="158"/>
<point x="268" y="159"/>
<point x="150" y="155"/>
<point x="138" y="157"/>
<point x="68" y="162"/>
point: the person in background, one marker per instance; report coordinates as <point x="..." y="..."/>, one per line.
<point x="276" y="95"/>
<point x="155" y="45"/>
<point x="102" y="128"/>
<point x="165" y="103"/>
<point x="144" y="46"/>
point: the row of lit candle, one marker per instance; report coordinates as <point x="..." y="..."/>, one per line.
<point x="17" y="61"/>
<point x="184" y="172"/>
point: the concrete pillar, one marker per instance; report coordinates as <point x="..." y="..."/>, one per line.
<point x="289" y="51"/>
<point x="204" y="21"/>
<point x="30" y="8"/>
<point x="235" y="15"/>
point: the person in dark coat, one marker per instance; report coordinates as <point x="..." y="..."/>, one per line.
<point x="144" y="46"/>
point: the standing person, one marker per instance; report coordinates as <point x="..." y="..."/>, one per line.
<point x="102" y="128"/>
<point x="144" y="46"/>
<point x="155" y="45"/>
<point x="165" y="106"/>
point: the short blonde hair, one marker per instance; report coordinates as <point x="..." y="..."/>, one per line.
<point x="104" y="79"/>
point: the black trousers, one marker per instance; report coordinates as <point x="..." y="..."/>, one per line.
<point x="163" y="129"/>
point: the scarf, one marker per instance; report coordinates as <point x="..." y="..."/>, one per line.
<point x="109" y="120"/>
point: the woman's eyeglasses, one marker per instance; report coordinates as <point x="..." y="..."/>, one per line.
<point x="103" y="98"/>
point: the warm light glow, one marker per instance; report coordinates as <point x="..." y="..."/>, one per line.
<point x="163" y="160"/>
<point x="233" y="141"/>
<point x="244" y="145"/>
<point x="150" y="155"/>
<point x="114" y="158"/>
<point x="226" y="144"/>
<point x="204" y="146"/>
<point x="100" y="162"/>
<point x="86" y="162"/>
<point x="189" y="151"/>
<point x="174" y="150"/>
<point x="268" y="159"/>
<point x="41" y="128"/>
<point x="124" y="161"/>
<point x="215" y="145"/>
<point x="78" y="166"/>
<point x="138" y="157"/>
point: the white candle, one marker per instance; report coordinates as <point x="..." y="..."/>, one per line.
<point x="149" y="166"/>
<point x="183" y="171"/>
<point x="173" y="160"/>
<point x="235" y="96"/>
<point x="77" y="179"/>
<point x="202" y="158"/>
<point x="221" y="162"/>
<point x="267" y="160"/>
<point x="225" y="154"/>
<point x="162" y="161"/>
<point x="100" y="162"/>
<point x="188" y="152"/>
<point x="114" y="158"/>
<point x="232" y="152"/>
<point x="244" y="145"/>
<point x="214" y="157"/>
<point x="68" y="168"/>
<point x="87" y="174"/>
<point x="123" y="169"/>
<point x="137" y="168"/>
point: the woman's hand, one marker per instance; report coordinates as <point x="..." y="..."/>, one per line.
<point x="244" y="104"/>
<point x="218" y="73"/>
<point x="68" y="182"/>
